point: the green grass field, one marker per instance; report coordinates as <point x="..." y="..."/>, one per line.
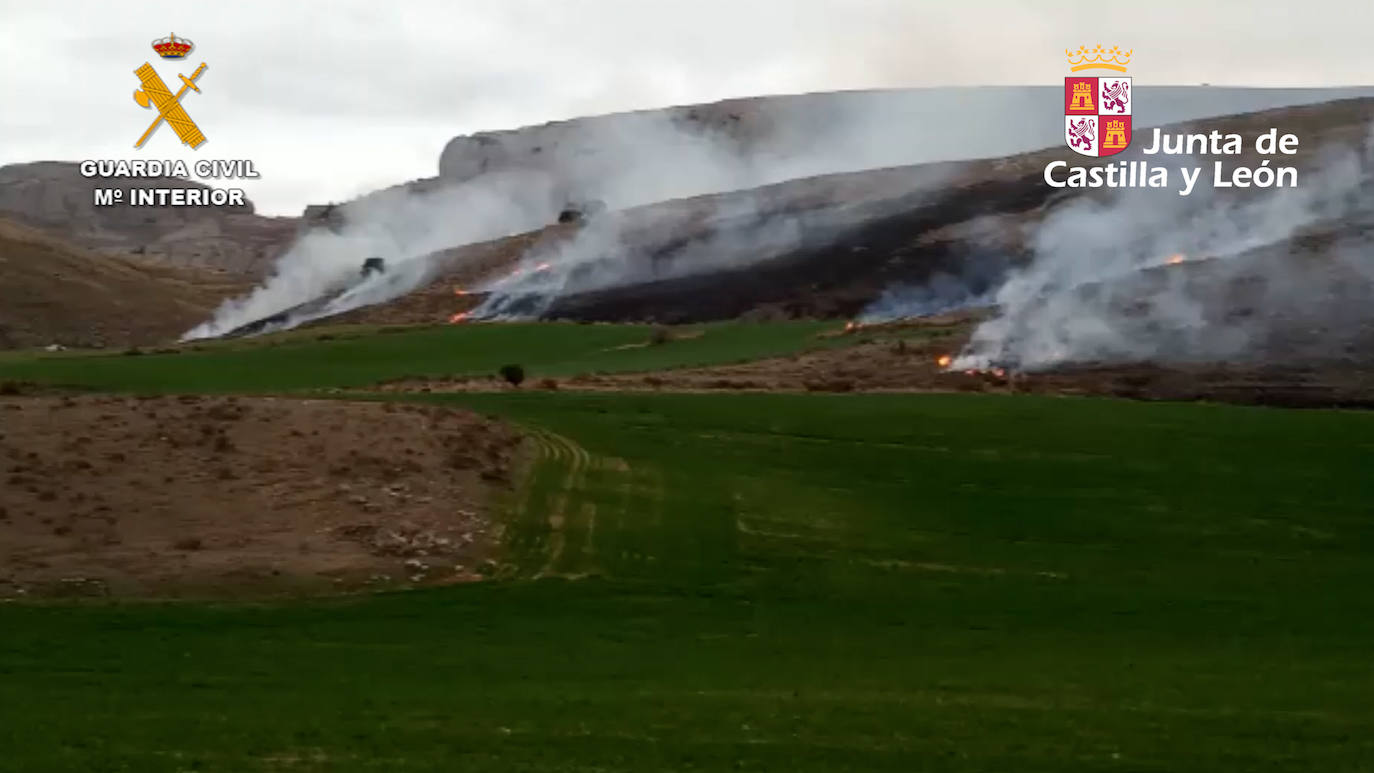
<point x="343" y="358"/>
<point x="795" y="583"/>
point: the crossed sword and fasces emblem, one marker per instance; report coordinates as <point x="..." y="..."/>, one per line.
<point x="1083" y="133"/>
<point x="155" y="92"/>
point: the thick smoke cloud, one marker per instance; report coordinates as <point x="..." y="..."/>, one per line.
<point x="1102" y="288"/>
<point x="605" y="253"/>
<point x="973" y="283"/>
<point x="623" y="162"/>
<point x="640" y="158"/>
<point x="403" y="227"/>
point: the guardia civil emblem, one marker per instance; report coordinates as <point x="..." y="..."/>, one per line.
<point x="1097" y="108"/>
<point x="156" y="94"/>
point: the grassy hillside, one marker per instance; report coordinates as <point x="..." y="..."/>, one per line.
<point x="343" y="358"/>
<point x="775" y="582"/>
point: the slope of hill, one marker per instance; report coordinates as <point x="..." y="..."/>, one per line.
<point x="53" y="195"/>
<point x="641" y="157"/>
<point x="848" y="237"/>
<point x="54" y="292"/>
<point x="790" y="136"/>
<point x="825" y="246"/>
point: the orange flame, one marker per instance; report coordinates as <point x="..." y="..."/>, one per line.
<point x="944" y="360"/>
<point x="543" y="267"/>
<point x="1175" y="259"/>
<point x="461" y="316"/>
<point x="459" y="291"/>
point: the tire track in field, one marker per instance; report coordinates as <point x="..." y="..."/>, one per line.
<point x="561" y="516"/>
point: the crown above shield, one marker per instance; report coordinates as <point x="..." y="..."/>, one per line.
<point x="172" y="47"/>
<point x="1098" y="57"/>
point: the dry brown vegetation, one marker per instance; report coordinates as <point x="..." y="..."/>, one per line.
<point x="209" y="496"/>
<point x="54" y="292"/>
<point x="905" y="356"/>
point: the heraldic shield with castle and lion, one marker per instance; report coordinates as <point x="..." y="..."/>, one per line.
<point x="1097" y="108"/>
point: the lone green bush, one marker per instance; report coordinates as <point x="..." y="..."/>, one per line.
<point x="513" y="374"/>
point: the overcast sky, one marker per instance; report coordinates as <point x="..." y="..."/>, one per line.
<point x="332" y="99"/>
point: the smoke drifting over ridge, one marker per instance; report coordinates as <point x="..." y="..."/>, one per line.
<point x="733" y="232"/>
<point x="517" y="181"/>
<point x="641" y="159"/>
<point x="973" y="283"/>
<point x="396" y="223"/>
<point x="1149" y="277"/>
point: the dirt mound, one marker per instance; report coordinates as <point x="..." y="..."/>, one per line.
<point x="53" y="292"/>
<point x="227" y="496"/>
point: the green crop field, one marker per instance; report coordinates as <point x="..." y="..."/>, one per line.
<point x="783" y="583"/>
<point x="352" y="358"/>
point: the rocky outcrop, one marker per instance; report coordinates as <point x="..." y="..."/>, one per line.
<point x="582" y="151"/>
<point x="335" y="216"/>
<point x="53" y="195"/>
<point x="636" y="158"/>
<point x="776" y="138"/>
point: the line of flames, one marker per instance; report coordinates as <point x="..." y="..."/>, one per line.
<point x="464" y="316"/>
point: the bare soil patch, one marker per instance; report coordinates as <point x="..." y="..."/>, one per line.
<point x="195" y="496"/>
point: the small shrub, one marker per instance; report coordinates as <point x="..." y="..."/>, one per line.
<point x="549" y="384"/>
<point x="660" y="336"/>
<point x="513" y="374"/>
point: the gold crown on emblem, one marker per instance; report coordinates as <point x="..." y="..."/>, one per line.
<point x="1099" y="57"/>
<point x="172" y="47"/>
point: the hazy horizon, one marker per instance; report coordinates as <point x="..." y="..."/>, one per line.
<point x="336" y="99"/>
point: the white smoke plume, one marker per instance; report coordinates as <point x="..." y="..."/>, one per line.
<point x="1100" y="288"/>
<point x="719" y="234"/>
<point x="645" y="159"/>
<point x="971" y="283"/>
<point x="399" y="225"/>
<point x="638" y="158"/>
<point x="600" y="256"/>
